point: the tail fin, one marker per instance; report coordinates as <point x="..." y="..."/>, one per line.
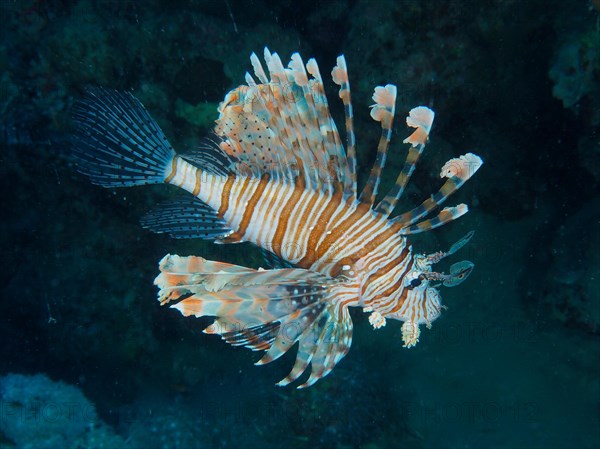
<point x="117" y="142"/>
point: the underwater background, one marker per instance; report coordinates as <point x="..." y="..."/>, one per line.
<point x="90" y="360"/>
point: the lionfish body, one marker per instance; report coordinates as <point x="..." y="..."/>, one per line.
<point x="277" y="175"/>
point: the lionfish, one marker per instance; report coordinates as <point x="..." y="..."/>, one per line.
<point x="276" y="174"/>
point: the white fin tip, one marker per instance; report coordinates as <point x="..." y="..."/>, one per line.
<point x="463" y="167"/>
<point x="421" y="118"/>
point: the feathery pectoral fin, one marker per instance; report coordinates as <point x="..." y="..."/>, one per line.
<point x="325" y="351"/>
<point x="263" y="310"/>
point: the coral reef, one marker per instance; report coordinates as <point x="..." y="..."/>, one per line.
<point x="37" y="413"/>
<point x="575" y="73"/>
<point x="123" y="46"/>
<point x="201" y="114"/>
<point x="576" y="70"/>
<point x="173" y="426"/>
<point x="570" y="291"/>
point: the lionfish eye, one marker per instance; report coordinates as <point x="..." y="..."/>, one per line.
<point x="415" y="282"/>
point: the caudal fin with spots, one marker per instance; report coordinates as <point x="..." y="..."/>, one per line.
<point x="117" y="142"/>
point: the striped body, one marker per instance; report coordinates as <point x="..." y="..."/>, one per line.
<point x="316" y="230"/>
<point x="277" y="175"/>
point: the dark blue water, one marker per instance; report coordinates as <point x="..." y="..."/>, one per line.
<point x="88" y="357"/>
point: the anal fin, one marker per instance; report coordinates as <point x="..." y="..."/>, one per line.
<point x="184" y="218"/>
<point x="273" y="261"/>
